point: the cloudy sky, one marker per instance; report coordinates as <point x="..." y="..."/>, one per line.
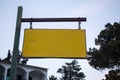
<point x="97" y="12"/>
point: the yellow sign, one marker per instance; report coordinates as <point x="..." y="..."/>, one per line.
<point x="54" y="43"/>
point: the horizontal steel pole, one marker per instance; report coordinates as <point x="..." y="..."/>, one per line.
<point x="52" y="19"/>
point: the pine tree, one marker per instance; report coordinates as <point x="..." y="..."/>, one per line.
<point x="71" y="71"/>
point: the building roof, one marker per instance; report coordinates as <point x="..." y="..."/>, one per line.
<point x="25" y="65"/>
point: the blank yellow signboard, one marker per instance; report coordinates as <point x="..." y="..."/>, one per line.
<point x="54" y="43"/>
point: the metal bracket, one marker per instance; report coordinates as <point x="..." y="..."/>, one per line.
<point x="79" y="25"/>
<point x="31" y="24"/>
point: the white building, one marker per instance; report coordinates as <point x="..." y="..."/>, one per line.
<point x="24" y="72"/>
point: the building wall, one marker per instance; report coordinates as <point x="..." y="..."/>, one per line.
<point x="24" y="72"/>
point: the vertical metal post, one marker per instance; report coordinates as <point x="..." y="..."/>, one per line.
<point x="16" y="44"/>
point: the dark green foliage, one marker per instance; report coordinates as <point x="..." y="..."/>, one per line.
<point x="110" y="33"/>
<point x="8" y="58"/>
<point x="108" y="55"/>
<point x="20" y="59"/>
<point x="113" y="75"/>
<point x="52" y="77"/>
<point x="71" y="71"/>
<point x="24" y="61"/>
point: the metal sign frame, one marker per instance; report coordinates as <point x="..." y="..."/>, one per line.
<point x="18" y="29"/>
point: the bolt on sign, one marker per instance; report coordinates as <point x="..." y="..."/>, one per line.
<point x="54" y="43"/>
